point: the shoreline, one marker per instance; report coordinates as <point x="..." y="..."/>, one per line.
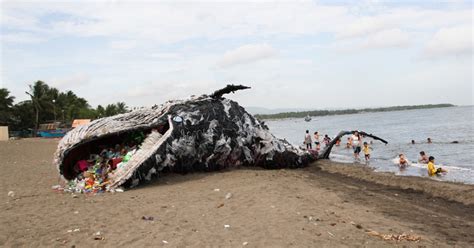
<point x="453" y="191"/>
<point x="326" y="204"/>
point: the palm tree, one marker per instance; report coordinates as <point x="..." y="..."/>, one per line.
<point x="6" y="104"/>
<point x="121" y="108"/>
<point x="39" y="98"/>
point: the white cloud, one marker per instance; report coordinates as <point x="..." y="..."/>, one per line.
<point x="123" y="44"/>
<point x="361" y="27"/>
<point x="384" y="39"/>
<point x="20" y="37"/>
<point x="387" y="38"/>
<point x="165" y="56"/>
<point x="178" y="45"/>
<point x="246" y="54"/>
<point x="453" y="41"/>
<point x="71" y="81"/>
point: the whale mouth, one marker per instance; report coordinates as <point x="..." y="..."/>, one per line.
<point x="142" y="142"/>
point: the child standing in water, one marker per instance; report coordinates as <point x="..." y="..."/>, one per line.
<point x="432" y="169"/>
<point x="366" y="151"/>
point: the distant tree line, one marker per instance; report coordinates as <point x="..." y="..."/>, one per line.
<point x="48" y="104"/>
<point x="348" y="111"/>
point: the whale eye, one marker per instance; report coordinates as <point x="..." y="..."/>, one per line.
<point x="178" y="119"/>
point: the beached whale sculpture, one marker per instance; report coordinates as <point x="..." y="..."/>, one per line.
<point x="204" y="133"/>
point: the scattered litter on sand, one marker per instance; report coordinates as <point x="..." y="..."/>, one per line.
<point x="395" y="237"/>
<point x="228" y="196"/>
<point x="226" y="226"/>
<point x="57" y="187"/>
<point x="165" y="242"/>
<point x="217" y="190"/>
<point x="11" y="194"/>
<point x="245" y="243"/>
<point x="98" y="236"/>
<point x="150" y="218"/>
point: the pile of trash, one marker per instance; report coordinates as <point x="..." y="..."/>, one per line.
<point x="395" y="237"/>
<point x="93" y="174"/>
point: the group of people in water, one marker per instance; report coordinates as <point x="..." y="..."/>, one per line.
<point x="355" y="141"/>
<point x="309" y="142"/>
<point x="424" y="159"/>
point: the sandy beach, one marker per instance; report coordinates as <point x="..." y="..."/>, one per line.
<point x="324" y="205"/>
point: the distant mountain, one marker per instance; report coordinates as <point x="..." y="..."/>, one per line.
<point x="267" y="111"/>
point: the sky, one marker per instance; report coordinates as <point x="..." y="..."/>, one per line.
<point x="294" y="54"/>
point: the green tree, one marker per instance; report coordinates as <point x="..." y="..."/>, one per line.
<point x="40" y="100"/>
<point x="111" y="109"/>
<point x="6" y="104"/>
<point x="23" y="116"/>
<point x="121" y="108"/>
<point x="100" y="112"/>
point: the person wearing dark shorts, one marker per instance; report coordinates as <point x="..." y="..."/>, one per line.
<point x="357" y="149"/>
<point x="355" y="140"/>
<point x="307" y="140"/>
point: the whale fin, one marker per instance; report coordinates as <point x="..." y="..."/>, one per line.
<point x="228" y="89"/>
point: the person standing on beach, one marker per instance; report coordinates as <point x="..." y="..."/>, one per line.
<point x="355" y="140"/>
<point x="307" y="140"/>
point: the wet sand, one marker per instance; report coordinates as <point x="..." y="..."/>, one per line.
<point x="324" y="205"/>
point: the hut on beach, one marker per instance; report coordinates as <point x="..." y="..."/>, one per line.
<point x="4" y="133"/>
<point x="80" y="122"/>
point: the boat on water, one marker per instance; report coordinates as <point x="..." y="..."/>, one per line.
<point x="307" y="118"/>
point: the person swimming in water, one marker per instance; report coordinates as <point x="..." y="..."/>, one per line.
<point x="432" y="169"/>
<point x="429" y="140"/>
<point x="423" y="158"/>
<point x="349" y="143"/>
<point x="402" y="162"/>
<point x="412" y="142"/>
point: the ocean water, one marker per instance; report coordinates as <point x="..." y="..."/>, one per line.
<point x="442" y="125"/>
